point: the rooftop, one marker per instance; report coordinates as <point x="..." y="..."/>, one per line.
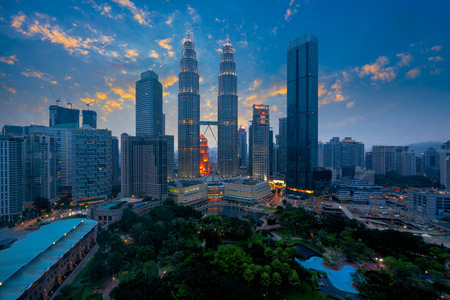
<point x="26" y="260"/>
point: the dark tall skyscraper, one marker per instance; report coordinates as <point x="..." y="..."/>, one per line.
<point x="64" y="117"/>
<point x="302" y="108"/>
<point x="89" y="119"/>
<point x="282" y="146"/>
<point x="227" y="109"/>
<point x="149" y="105"/>
<point x="242" y="147"/>
<point x="188" y="113"/>
<point x="259" y="143"/>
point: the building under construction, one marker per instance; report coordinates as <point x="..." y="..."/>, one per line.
<point x="204" y="156"/>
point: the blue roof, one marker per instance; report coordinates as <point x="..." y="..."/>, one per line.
<point x="26" y="260"/>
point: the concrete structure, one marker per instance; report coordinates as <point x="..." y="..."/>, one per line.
<point x="429" y="204"/>
<point x="84" y="161"/>
<point x="65" y="117"/>
<point x="188" y="113"/>
<point x="302" y="111"/>
<point x="189" y="195"/>
<point x="15" y="130"/>
<point x="357" y="191"/>
<point x="144" y="166"/>
<point x="41" y="161"/>
<point x="204" y="156"/>
<point x="12" y="176"/>
<point x="247" y="192"/>
<point x="444" y="158"/>
<point x="227" y="113"/>
<point x="282" y="146"/>
<point x="149" y="105"/>
<point x="89" y="119"/>
<point x="393" y="158"/>
<point x="111" y="211"/>
<point x="35" y="266"/>
<point x="242" y="147"/>
<point x="338" y="154"/>
<point x="259" y="156"/>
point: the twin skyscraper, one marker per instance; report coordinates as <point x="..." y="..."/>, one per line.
<point x="189" y="113"/>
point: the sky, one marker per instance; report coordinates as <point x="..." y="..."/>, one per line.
<point x="384" y="66"/>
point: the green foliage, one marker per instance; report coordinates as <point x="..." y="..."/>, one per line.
<point x="231" y="259"/>
<point x="392" y="178"/>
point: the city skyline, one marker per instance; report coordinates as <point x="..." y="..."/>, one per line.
<point x="396" y="79"/>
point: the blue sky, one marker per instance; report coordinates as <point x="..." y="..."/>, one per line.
<point x="384" y="65"/>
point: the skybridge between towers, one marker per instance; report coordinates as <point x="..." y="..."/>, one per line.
<point x="209" y="124"/>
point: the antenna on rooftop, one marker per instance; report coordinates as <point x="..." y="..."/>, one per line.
<point x="57" y="98"/>
<point x="88" y="104"/>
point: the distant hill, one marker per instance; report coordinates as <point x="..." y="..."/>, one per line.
<point x="423" y="146"/>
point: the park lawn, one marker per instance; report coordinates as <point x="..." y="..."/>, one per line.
<point x="268" y="208"/>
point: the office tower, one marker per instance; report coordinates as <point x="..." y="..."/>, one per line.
<point x="144" y="166"/>
<point x="204" y="156"/>
<point x="320" y="154"/>
<point x="445" y="164"/>
<point x="302" y="108"/>
<point x="149" y="105"/>
<point x="271" y="156"/>
<point x="227" y="110"/>
<point x="188" y="113"/>
<point x="343" y="153"/>
<point x="64" y="117"/>
<point x="242" y="148"/>
<point x="392" y="158"/>
<point x="259" y="143"/>
<point x="170" y="157"/>
<point x="419" y="166"/>
<point x="282" y="145"/>
<point x="40" y="167"/>
<point x="89" y="119"/>
<point x="84" y="162"/>
<point x="115" y="160"/>
<point x="430" y="164"/>
<point x="12" y="176"/>
<point x="15" y="130"/>
<point x="368" y="161"/>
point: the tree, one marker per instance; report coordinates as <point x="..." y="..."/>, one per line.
<point x="276" y="279"/>
<point x="294" y="280"/>
<point x="231" y="259"/>
<point x="41" y="204"/>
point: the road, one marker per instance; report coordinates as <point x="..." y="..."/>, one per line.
<point x="77" y="270"/>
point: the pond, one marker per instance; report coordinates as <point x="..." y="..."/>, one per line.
<point x="235" y="212"/>
<point x="306" y="251"/>
<point x="341" y="280"/>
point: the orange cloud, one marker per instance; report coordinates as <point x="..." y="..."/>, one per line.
<point x="169" y="80"/>
<point x="435" y="58"/>
<point x="101" y="96"/>
<point x="10" y="89"/>
<point x="140" y="15"/>
<point x="165" y="43"/>
<point x="132" y="54"/>
<point x="413" y="73"/>
<point x="10" y="60"/>
<point x="377" y="70"/>
<point x="153" y="54"/>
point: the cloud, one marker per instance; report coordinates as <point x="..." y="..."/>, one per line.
<point x="435" y="58"/>
<point x="274" y="31"/>
<point x="255" y="84"/>
<point x="413" y="73"/>
<point x="346" y="122"/>
<point x="405" y="59"/>
<point x="10" y="60"/>
<point x="131" y="54"/>
<point x="10" y="89"/>
<point x="67" y="78"/>
<point x="40" y="27"/>
<point x="350" y="104"/>
<point x="277" y="90"/>
<point x="436" y="48"/>
<point x="171" y="18"/>
<point x="333" y="94"/>
<point x="104" y="9"/>
<point x="165" y="43"/>
<point x="169" y="80"/>
<point x="377" y="70"/>
<point x="101" y="96"/>
<point x="194" y="14"/>
<point x="153" y="54"/>
<point x="39" y="75"/>
<point x="436" y="71"/>
<point x="140" y="15"/>
<point x="292" y="10"/>
<point x="128" y="94"/>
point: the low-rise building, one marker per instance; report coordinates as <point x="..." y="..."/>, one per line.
<point x="358" y="191"/>
<point x="429" y="204"/>
<point x="189" y="195"/>
<point x="247" y="192"/>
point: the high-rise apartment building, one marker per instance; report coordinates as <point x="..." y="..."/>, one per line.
<point x="343" y="153"/>
<point x="12" y="176"/>
<point x="144" y="166"/>
<point x="302" y="111"/>
<point x="242" y="147"/>
<point x="115" y="160"/>
<point x="84" y="161"/>
<point x="282" y="145"/>
<point x="430" y="163"/>
<point x="393" y="158"/>
<point x="64" y="117"/>
<point x="227" y="110"/>
<point x="41" y="163"/>
<point x="445" y="164"/>
<point x="149" y="105"/>
<point x="259" y="143"/>
<point x="204" y="156"/>
<point x="188" y="113"/>
<point x="368" y="161"/>
<point x="89" y="119"/>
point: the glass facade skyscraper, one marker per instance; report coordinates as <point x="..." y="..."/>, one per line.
<point x="302" y="109"/>
<point x="188" y="113"/>
<point x="227" y="109"/>
<point x="259" y="158"/>
<point x="149" y="106"/>
<point x="242" y="147"/>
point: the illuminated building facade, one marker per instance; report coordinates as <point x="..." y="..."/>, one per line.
<point x="204" y="156"/>
<point x="227" y="109"/>
<point x="188" y="113"/>
<point x="302" y="108"/>
<point x="259" y="143"/>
